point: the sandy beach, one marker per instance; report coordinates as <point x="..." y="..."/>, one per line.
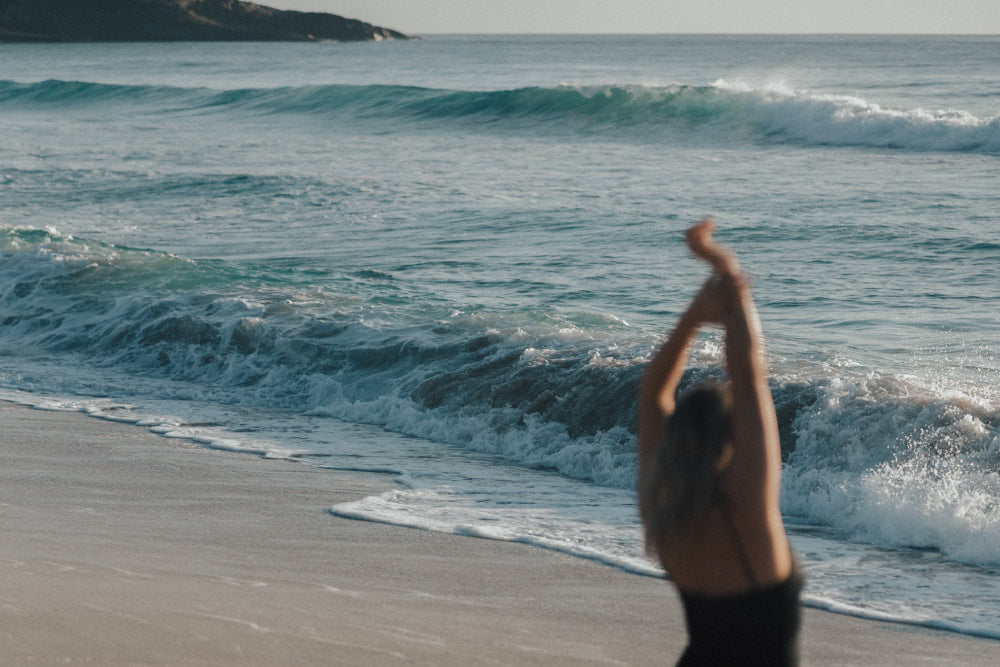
<point x="123" y="547"/>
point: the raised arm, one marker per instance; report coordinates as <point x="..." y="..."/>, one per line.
<point x="659" y="383"/>
<point x="757" y="451"/>
<point x="656" y="392"/>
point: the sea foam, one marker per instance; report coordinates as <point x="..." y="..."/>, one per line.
<point x="877" y="457"/>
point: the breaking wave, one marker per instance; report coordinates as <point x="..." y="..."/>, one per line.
<point x="875" y="457"/>
<point x="720" y="112"/>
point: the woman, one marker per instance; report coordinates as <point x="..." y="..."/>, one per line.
<point x="709" y="481"/>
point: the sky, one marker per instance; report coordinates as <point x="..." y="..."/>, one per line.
<point x="665" y="16"/>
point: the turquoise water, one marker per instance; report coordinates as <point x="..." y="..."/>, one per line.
<point x="449" y="260"/>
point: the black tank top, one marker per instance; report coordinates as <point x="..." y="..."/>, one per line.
<point x="758" y="627"/>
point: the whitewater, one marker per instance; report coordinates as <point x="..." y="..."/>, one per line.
<point x="448" y="261"/>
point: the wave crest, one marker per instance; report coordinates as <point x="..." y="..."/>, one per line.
<point x="717" y="113"/>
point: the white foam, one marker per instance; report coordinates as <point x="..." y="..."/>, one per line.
<point x="166" y="426"/>
<point x="847" y="120"/>
<point x="495" y="515"/>
<point x="896" y="469"/>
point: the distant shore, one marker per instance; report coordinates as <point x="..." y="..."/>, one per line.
<point x="175" y="20"/>
<point x="124" y="547"/>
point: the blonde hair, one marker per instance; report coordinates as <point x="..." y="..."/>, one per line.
<point x="680" y="484"/>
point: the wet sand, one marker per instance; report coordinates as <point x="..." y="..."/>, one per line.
<point x="122" y="547"/>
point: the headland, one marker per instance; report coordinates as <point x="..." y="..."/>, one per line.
<point x="174" y="20"/>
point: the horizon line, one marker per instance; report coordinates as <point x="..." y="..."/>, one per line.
<point x="744" y="34"/>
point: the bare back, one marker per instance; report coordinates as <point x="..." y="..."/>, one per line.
<point x="729" y="538"/>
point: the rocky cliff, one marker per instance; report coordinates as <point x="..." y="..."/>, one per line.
<point x="173" y="20"/>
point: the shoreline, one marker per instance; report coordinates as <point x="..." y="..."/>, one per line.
<point x="121" y="546"/>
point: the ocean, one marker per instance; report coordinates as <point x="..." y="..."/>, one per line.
<point x="449" y="260"/>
